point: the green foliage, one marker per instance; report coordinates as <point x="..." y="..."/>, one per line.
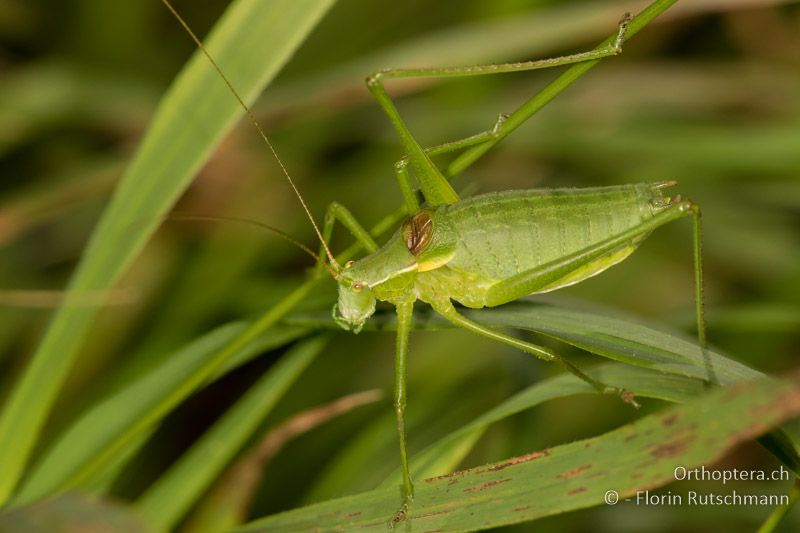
<point x="169" y="156"/>
<point x="149" y="403"/>
<point x="629" y="460"/>
<point x="175" y="492"/>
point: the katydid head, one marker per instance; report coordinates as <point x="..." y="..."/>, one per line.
<point x="386" y="274"/>
<point x="356" y="301"/>
<point x="354" y="307"/>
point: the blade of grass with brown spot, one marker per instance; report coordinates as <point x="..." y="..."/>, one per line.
<point x="636" y="457"/>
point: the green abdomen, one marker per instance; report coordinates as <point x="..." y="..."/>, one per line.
<point x="506" y="233"/>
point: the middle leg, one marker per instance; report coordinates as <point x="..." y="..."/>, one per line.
<point x="405" y="313"/>
<point x="401" y="166"/>
<point x="449" y="312"/>
<point x="433" y="184"/>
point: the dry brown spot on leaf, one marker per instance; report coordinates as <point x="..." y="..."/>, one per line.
<point x="484" y="486"/>
<point x="670" y="419"/>
<point x="433" y="513"/>
<point x="518" y="460"/>
<point x="679" y="443"/>
<point x="574" y="472"/>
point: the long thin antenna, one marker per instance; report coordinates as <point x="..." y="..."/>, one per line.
<point x="257" y="125"/>
<point x="282" y="234"/>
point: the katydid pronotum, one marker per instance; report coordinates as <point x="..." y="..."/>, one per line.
<point x="485" y="250"/>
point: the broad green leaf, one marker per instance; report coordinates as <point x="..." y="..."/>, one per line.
<point x="636" y="457"/>
<point x="72" y="513"/>
<point x="603" y="334"/>
<point x="251" y="43"/>
<point x="95" y="440"/>
<point x="168" y="499"/>
<point x="445" y="455"/>
<point x="623" y="340"/>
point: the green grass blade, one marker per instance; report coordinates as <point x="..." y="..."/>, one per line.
<point x="781" y="511"/>
<point x="616" y="338"/>
<point x="96" y="439"/>
<point x="193" y="116"/>
<point x="178" y="489"/>
<point x="604" y="334"/>
<point x="446" y="454"/>
<point x="91" y="446"/>
<point x="636" y="457"/>
<point x="613" y="337"/>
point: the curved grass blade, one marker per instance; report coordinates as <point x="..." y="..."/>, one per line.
<point x="191" y="119"/>
<point x="95" y="440"/>
<point x="446" y="454"/>
<point x="168" y="499"/>
<point x="622" y="340"/>
<point x="636" y="457"/>
<point x="606" y="335"/>
<point x="616" y="338"/>
<point x="780" y="512"/>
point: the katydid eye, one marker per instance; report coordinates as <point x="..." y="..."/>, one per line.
<point x="357" y="286"/>
<point x="348" y="264"/>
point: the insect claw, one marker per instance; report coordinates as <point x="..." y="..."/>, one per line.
<point x="501" y="118"/>
<point x="374" y="79"/>
<point x="629" y="397"/>
<point x="623" y="29"/>
<point x="402" y="514"/>
<point x="398" y="517"/>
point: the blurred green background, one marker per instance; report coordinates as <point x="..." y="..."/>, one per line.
<point x="707" y="95"/>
